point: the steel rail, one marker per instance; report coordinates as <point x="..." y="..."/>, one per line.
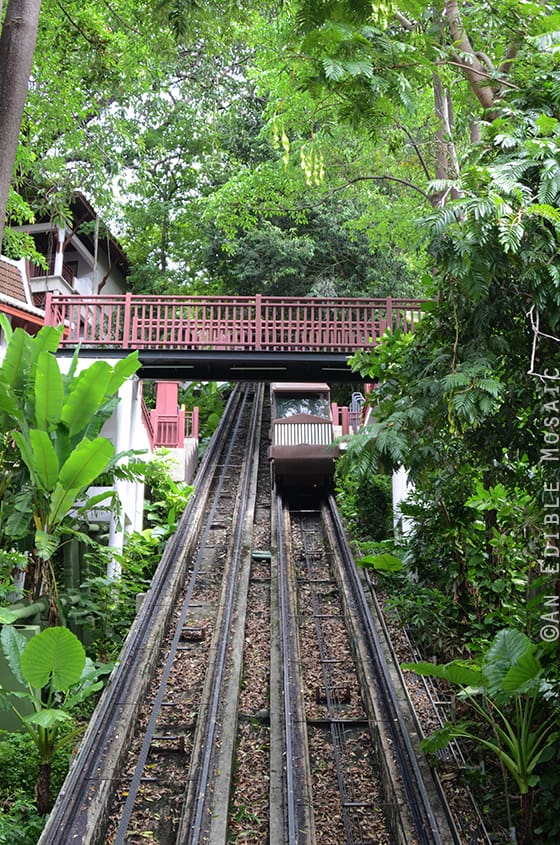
<point x="232" y="447"/>
<point x="455" y="752"/>
<point x="80" y="811"/>
<point x="426" y="827"/>
<point x="296" y="793"/>
<point x="194" y="820"/>
<point x="336" y="729"/>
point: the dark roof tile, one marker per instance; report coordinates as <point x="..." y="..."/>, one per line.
<point x="11" y="282"/>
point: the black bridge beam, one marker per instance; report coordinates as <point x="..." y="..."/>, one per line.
<point x="224" y="365"/>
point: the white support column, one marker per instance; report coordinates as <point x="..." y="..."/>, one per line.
<point x="402" y="525"/>
<point x="59" y="254"/>
<point x="138" y="440"/>
<point x="123" y="421"/>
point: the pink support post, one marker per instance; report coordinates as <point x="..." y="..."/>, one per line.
<point x="49" y="317"/>
<point x="167" y="393"/>
<point x="258" y="321"/>
<point x="181" y="428"/>
<point x="195" y="422"/>
<point x="126" y="321"/>
<point x="334" y="413"/>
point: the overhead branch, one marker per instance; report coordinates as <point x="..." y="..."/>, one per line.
<point x="480" y="72"/>
<point x="122" y="22"/>
<point x="509" y="58"/>
<point x="76" y="26"/>
<point x="408" y="25"/>
<point x="416" y="148"/>
<point x="386" y="177"/>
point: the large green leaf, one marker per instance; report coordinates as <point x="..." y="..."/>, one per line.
<point x="48" y="718"/>
<point x="45" y="461"/>
<point x="85" y="463"/>
<point x="45" y="544"/>
<point x="87" y="395"/>
<point x="61" y="502"/>
<point x="13" y="644"/>
<point x="508" y="646"/>
<point x="456" y="672"/>
<point x="18" y="522"/>
<point x="7" y="616"/>
<point x="49" y="394"/>
<point x="97" y="421"/>
<point x="47" y="339"/>
<point x="6" y="327"/>
<point x="55" y="653"/>
<point x="25" y="451"/>
<point x="123" y="369"/>
<point x="382" y="563"/>
<point x="16" y="360"/>
<point x="524" y="671"/>
<point x="62" y="443"/>
<point x="9" y="405"/>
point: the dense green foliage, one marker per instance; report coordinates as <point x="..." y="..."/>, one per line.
<point x="104" y="607"/>
<point x="20" y="823"/>
<point x="515" y="719"/>
<point x="53" y="451"/>
<point x="55" y="677"/>
<point x="469" y="405"/>
<point x="350" y="148"/>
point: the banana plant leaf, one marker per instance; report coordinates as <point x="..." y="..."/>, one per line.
<point x="49" y="391"/>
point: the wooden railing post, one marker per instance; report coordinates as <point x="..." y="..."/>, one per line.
<point x="181" y="428"/>
<point x="49" y="316"/>
<point x="389" y="313"/>
<point x="127" y="320"/>
<point x="258" y="321"/>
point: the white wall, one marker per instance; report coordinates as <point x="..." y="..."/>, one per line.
<point x="402" y="487"/>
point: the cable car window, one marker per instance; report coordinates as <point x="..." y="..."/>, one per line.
<point x="289" y="406"/>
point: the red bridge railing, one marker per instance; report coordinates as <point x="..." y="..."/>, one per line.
<point x="256" y="323"/>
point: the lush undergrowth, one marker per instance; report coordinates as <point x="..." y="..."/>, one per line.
<point x="103" y="615"/>
<point x="468" y="595"/>
<point x="20" y="823"/>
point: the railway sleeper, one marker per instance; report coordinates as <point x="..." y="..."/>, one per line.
<point x="194" y="633"/>
<point x="341" y="695"/>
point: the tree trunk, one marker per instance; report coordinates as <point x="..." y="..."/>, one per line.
<point x="43" y="789"/>
<point x="17" y="46"/>
<point x="446" y="161"/>
<point x="473" y="69"/>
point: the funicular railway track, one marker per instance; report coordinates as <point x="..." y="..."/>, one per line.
<point x="250" y="685"/>
<point x="144" y="713"/>
<point x="340" y="714"/>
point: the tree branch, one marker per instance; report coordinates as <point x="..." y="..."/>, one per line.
<point x="75" y="25"/>
<point x="408" y="25"/>
<point x="385" y="177"/>
<point x="417" y="149"/>
<point x="505" y="67"/>
<point x="475" y="73"/>
<point x="480" y="72"/>
<point x="122" y="22"/>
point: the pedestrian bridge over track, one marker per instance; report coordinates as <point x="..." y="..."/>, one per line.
<point x="236" y="338"/>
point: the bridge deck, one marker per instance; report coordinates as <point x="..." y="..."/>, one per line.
<point x="232" y="337"/>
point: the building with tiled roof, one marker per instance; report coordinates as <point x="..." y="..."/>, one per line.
<point x="16" y="298"/>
